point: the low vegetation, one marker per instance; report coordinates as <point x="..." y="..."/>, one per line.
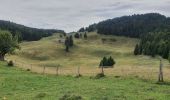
<point x="16" y="84"/>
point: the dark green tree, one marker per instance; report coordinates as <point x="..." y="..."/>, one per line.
<point x="7" y="43"/>
<point x="82" y="29"/>
<point x="77" y="35"/>
<point x="67" y="44"/>
<point x="71" y="42"/>
<point x="85" y="35"/>
<point x="111" y="61"/>
<point x="67" y="48"/>
<point x="136" y="51"/>
<point x="104" y="62"/>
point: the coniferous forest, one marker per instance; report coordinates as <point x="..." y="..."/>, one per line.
<point x="27" y="33"/>
<point x="153" y="29"/>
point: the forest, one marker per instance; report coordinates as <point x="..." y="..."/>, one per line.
<point x="152" y="29"/>
<point x="27" y="33"/>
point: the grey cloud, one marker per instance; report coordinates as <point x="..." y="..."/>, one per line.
<point x="70" y="15"/>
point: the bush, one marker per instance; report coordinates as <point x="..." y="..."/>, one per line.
<point x="10" y="63"/>
<point x="107" y="62"/>
<point x="99" y="75"/>
<point x="41" y="95"/>
<point x="70" y="97"/>
<point x="78" y="76"/>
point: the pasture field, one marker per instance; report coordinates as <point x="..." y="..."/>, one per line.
<point x="87" y="54"/>
<point x="16" y="84"/>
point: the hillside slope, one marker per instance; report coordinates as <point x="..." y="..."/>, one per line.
<point x="86" y="54"/>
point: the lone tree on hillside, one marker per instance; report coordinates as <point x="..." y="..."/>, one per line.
<point x="71" y="42"/>
<point x="67" y="44"/>
<point x="7" y="43"/>
<point x="106" y="62"/>
<point x="77" y="35"/>
<point x="136" y="51"/>
<point x="110" y="61"/>
<point x="85" y="35"/>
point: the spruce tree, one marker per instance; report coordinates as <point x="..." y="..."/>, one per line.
<point x="111" y="61"/>
<point x="67" y="44"/>
<point x="67" y="48"/>
<point x="105" y="61"/>
<point x="85" y="35"/>
<point x="71" y="42"/>
<point x="136" y="51"/>
<point x="77" y="35"/>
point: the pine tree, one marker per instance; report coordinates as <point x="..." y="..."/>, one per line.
<point x="77" y="35"/>
<point x="105" y="61"/>
<point x="136" y="51"/>
<point x="71" y="42"/>
<point x="67" y="44"/>
<point x="111" y="61"/>
<point x="85" y="35"/>
<point x="67" y="48"/>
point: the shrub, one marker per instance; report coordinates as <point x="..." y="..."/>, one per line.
<point x="10" y="63"/>
<point x="41" y="95"/>
<point x="70" y="97"/>
<point x="99" y="75"/>
<point x="107" y="62"/>
<point x="78" y="76"/>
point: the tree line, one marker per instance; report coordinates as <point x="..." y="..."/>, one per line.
<point x="131" y="26"/>
<point x="27" y="33"/>
<point x="154" y="43"/>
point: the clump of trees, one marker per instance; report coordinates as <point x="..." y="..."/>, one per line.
<point x="69" y="42"/>
<point x="77" y="35"/>
<point x="8" y="43"/>
<point x="155" y="43"/>
<point x="107" y="62"/>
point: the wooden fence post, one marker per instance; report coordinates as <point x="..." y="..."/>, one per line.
<point x="78" y="71"/>
<point x="31" y="67"/>
<point x="44" y="70"/>
<point x="57" y="68"/>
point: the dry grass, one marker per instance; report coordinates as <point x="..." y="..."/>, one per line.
<point x="87" y="54"/>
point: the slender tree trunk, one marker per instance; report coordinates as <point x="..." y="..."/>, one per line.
<point x="2" y="57"/>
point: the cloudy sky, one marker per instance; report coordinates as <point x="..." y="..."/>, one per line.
<point x="70" y="15"/>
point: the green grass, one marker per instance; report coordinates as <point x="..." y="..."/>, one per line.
<point x="16" y="84"/>
<point x="86" y="53"/>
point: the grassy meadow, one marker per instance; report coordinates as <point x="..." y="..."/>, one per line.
<point x="132" y="78"/>
<point x="87" y="54"/>
<point x="17" y="84"/>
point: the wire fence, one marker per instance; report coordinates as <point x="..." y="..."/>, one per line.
<point x="143" y="72"/>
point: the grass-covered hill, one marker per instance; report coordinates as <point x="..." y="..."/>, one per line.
<point x="27" y="33"/>
<point x="16" y="84"/>
<point x="86" y="54"/>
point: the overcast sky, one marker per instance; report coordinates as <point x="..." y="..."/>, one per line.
<point x="70" y="15"/>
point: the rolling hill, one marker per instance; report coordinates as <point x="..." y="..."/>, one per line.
<point x="86" y="54"/>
